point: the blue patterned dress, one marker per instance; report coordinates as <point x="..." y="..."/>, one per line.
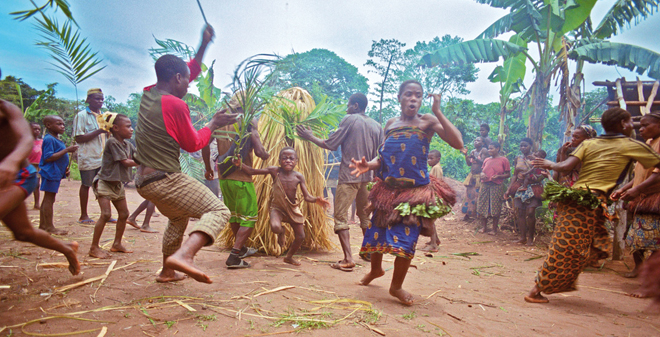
<point x="402" y="177"/>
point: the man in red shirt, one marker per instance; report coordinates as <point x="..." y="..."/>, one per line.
<point x="164" y="127"/>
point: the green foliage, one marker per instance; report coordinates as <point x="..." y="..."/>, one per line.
<point x="34" y="112"/>
<point x="487" y="50"/>
<point x="320" y="72"/>
<point x="627" y="56"/>
<point x="72" y="55"/>
<point x="74" y="172"/>
<point x="325" y="116"/>
<point x="422" y="210"/>
<point x="409" y="316"/>
<point x="511" y="74"/>
<point x="170" y="46"/>
<point x="558" y="193"/>
<point x="191" y="167"/>
<point x="449" y="80"/>
<point x="395" y="65"/>
<point x="624" y="13"/>
<point x="62" y="5"/>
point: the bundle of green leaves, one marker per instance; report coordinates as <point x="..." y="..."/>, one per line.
<point x="438" y="210"/>
<point x="558" y="193"/>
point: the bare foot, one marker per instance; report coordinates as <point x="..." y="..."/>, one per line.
<point x="132" y="223"/>
<point x="186" y="266"/>
<point x="98" y="253"/>
<point x="119" y="249"/>
<point x="638" y="293"/>
<point x="74" y="265"/>
<point x="405" y="297"/>
<point x="430" y="248"/>
<point x="520" y="241"/>
<point x="484" y="231"/>
<point x="290" y="260"/>
<point x="492" y="233"/>
<point x="170" y="277"/>
<point x="535" y="297"/>
<point x="55" y="231"/>
<point x="530" y="242"/>
<point x="36" y="208"/>
<point x="372" y="275"/>
<point x="147" y="229"/>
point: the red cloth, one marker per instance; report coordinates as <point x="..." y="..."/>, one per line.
<point x="176" y="116"/>
<point x="493" y="166"/>
<point x="35" y="155"/>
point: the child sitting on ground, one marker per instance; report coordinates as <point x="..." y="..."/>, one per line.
<point x="53" y="167"/>
<point x="17" y="180"/>
<point x="108" y="184"/>
<point x="283" y="204"/>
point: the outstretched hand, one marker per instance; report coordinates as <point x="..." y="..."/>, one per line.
<point x="323" y="202"/>
<point x="304" y="132"/>
<point x="222" y="118"/>
<point x="360" y="167"/>
<point x="542" y="163"/>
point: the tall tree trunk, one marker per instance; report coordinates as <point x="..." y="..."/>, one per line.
<point x="501" y="137"/>
<point x="539" y="111"/>
<point x="382" y="90"/>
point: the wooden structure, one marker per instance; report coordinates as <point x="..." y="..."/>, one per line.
<point x="638" y="98"/>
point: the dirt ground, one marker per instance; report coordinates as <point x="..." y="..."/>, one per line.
<point x="472" y="295"/>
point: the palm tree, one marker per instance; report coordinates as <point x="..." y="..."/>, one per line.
<point x="72" y="55"/>
<point x="549" y="25"/>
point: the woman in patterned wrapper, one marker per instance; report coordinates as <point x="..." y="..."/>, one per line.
<point x="579" y="233"/>
<point x="405" y="200"/>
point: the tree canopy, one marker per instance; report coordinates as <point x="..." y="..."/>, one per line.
<point x="319" y="71"/>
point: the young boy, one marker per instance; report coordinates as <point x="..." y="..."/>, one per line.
<point x="283" y="204"/>
<point x="484" y="130"/>
<point x="17" y="179"/>
<point x="35" y="157"/>
<point x="436" y="171"/>
<point x="108" y="184"/>
<point x="434" y="162"/>
<point x="54" y="166"/>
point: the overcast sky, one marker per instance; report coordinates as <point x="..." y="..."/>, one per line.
<point x="123" y="31"/>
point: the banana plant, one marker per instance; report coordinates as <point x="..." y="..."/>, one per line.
<point x="547" y="24"/>
<point x="510" y="76"/>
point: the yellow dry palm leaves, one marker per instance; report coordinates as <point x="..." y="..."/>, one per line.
<point x="310" y="164"/>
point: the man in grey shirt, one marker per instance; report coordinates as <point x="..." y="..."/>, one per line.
<point x="359" y="136"/>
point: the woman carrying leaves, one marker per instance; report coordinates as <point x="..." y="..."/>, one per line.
<point x="582" y="209"/>
<point x="405" y="200"/>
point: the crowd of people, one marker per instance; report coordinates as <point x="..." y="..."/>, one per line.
<point x="403" y="204"/>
